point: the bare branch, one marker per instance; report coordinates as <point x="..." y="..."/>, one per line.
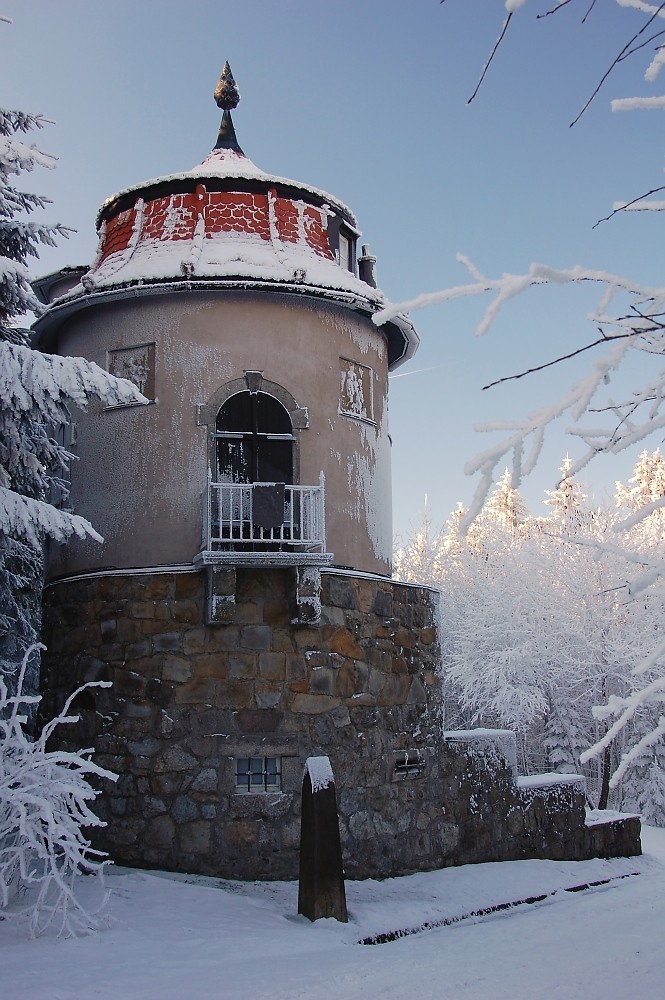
<point x="492" y="54"/>
<point x="603" y="339"/>
<point x="625" y="52"/>
<point x="628" y="204"/>
<point x="554" y="10"/>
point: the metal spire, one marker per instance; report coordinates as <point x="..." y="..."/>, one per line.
<point x="227" y="96"/>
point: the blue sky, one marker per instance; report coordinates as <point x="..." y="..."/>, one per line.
<point x="367" y="100"/>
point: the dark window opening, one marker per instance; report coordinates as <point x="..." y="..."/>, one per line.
<point x="254" y="440"/>
<point x="258" y="774"/>
<point x="408" y="764"/>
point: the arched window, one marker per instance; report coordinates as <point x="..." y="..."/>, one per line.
<point x="254" y="440"/>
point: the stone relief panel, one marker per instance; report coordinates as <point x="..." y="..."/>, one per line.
<point x="356" y="390"/>
<point x="136" y="364"/>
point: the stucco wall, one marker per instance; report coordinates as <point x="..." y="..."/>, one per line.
<point x="142" y="470"/>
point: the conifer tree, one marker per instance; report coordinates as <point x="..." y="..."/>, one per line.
<point x="36" y="391"/>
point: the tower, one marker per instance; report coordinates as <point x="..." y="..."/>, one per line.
<point x="241" y="603"/>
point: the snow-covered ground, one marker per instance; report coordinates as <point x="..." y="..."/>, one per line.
<point x="185" y="938"/>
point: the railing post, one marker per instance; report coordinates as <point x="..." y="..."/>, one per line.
<point x="207" y="513"/>
<point x="322" y="509"/>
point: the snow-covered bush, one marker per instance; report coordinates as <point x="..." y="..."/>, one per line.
<point x="44" y="796"/>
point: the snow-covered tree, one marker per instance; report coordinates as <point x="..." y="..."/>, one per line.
<point x="537" y="633"/>
<point x="504" y="509"/>
<point x="44" y="796"/>
<point x="418" y="560"/>
<point x="606" y="420"/>
<point x="645" y="489"/>
<point x="36" y="393"/>
<point x="539" y="630"/>
<point x="568" y="499"/>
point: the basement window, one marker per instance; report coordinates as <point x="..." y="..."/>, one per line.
<point x="258" y="774"/>
<point x="408" y="764"/>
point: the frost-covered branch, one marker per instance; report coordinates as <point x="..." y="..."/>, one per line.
<point x="622" y="329"/>
<point x="44" y="809"/>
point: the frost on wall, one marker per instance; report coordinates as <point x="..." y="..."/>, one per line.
<point x="137" y="364"/>
<point x="356" y="390"/>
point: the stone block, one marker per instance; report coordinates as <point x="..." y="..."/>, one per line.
<point x="128" y="683"/>
<point x="267" y="695"/>
<point x="186" y="612"/>
<point x="198" y="691"/>
<point x="314" y="704"/>
<point x="365" y="594"/>
<point x="148" y="747"/>
<point x="307" y="638"/>
<point x="258" y="720"/>
<point x="213" y="665"/>
<point x="153" y="806"/>
<point x="184" y="809"/>
<point x="345" y="681"/>
<point x="142" y="610"/>
<point x="383" y="603"/>
<point x="276" y="613"/>
<point x="194" y="838"/>
<point x="189" y="586"/>
<point x="342" y="642"/>
<point x="272" y="666"/>
<point x="193" y="641"/>
<point x="108" y="630"/>
<point x="241" y="833"/>
<point x="338" y="591"/>
<point x="247" y="613"/>
<point x="323" y="680"/>
<point x="174" y="758"/>
<point x="255" y="637"/>
<point x="427" y="635"/>
<point x="235" y="693"/>
<point x="159" y="832"/>
<point x="176" y="668"/>
<point x="206" y="781"/>
<point x="295" y="667"/>
<point x="283" y="641"/>
<point x="140" y="650"/>
<point x="167" y="642"/>
<point x="242" y="665"/>
<point x="340" y="717"/>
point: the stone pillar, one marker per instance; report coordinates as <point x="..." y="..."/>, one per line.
<point x="321" y="887"/>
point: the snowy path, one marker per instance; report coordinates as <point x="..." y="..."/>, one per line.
<point x="173" y="939"/>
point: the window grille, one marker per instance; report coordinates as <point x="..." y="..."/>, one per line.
<point x="408" y="764"/>
<point x="258" y="774"/>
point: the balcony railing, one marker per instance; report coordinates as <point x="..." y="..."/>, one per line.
<point x="269" y="517"/>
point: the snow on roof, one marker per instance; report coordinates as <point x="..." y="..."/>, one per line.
<point x="226" y="164"/>
<point x="243" y="255"/>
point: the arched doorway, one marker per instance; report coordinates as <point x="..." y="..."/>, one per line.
<point x="254" y="440"/>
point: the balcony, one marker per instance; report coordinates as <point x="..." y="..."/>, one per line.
<point x="264" y="524"/>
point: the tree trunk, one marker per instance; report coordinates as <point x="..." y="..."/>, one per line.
<point x="605" y="782"/>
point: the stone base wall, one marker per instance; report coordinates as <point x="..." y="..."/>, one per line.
<point x="361" y="687"/>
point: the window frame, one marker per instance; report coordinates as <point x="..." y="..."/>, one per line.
<point x="243" y="783"/>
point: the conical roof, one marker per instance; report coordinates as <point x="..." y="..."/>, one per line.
<point x="228" y="223"/>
